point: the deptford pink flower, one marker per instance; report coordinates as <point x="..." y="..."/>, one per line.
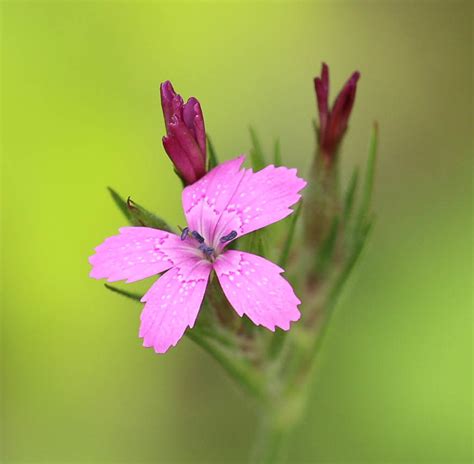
<point x="185" y="140"/>
<point x="225" y="204"/>
<point x="333" y="122"/>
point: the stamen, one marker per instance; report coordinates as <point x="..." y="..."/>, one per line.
<point x="197" y="236"/>
<point x="230" y="236"/>
<point x="207" y="250"/>
<point x="184" y="233"/>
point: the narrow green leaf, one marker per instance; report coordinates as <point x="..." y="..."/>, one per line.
<point x="328" y="246"/>
<point x="350" y="195"/>
<point x="354" y="256"/>
<point x="369" y="176"/>
<point x="121" y="204"/>
<point x="142" y="217"/>
<point x="212" y="161"/>
<point x="277" y="153"/>
<point x="339" y="285"/>
<point x="285" y="252"/>
<point x="125" y="293"/>
<point x="256" y="153"/>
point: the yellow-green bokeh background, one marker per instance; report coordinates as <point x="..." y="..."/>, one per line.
<point x="80" y="111"/>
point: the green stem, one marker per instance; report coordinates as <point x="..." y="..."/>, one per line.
<point x="277" y="423"/>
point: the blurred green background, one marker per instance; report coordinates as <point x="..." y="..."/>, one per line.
<point x="80" y="111"/>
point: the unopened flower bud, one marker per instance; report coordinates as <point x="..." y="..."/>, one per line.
<point x="185" y="140"/>
<point x="333" y="121"/>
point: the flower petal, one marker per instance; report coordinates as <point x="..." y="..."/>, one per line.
<point x="137" y="253"/>
<point x="255" y="287"/>
<point x="206" y="199"/>
<point x="172" y="304"/>
<point x="228" y="198"/>
<point x="262" y="198"/>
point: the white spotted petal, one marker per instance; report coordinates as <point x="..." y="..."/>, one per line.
<point x="137" y="253"/>
<point x="254" y="286"/>
<point x="173" y="303"/>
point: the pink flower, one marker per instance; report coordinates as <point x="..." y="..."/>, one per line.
<point x="185" y="140"/>
<point x="333" y="122"/>
<point x="225" y="204"/>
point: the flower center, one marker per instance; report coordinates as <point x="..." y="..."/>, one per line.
<point x="208" y="251"/>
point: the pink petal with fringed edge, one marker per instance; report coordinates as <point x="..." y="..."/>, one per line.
<point x="255" y="287"/>
<point x="206" y="200"/>
<point x="229" y="198"/>
<point x="172" y="304"/>
<point x="137" y="253"/>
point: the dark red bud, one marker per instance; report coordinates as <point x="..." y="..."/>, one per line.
<point x="185" y="141"/>
<point x="333" y="122"/>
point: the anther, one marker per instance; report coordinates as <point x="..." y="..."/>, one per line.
<point x="230" y="236"/>
<point x="197" y="236"/>
<point x="207" y="250"/>
<point x="184" y="233"/>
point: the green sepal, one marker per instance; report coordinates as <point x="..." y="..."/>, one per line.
<point x="212" y="160"/>
<point x="285" y="252"/>
<point x="256" y="153"/>
<point x="277" y="161"/>
<point x="143" y="217"/>
<point x="136" y="214"/>
<point x="121" y="204"/>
